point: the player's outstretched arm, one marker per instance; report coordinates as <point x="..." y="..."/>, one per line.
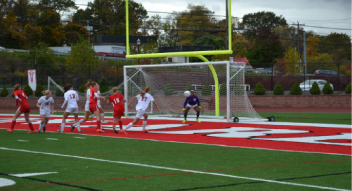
<point x="39" y="106"/>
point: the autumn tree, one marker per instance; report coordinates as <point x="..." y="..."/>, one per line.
<point x="60" y="6"/>
<point x="255" y="23"/>
<point x="44" y="59"/>
<point x="53" y="34"/>
<point x="240" y="45"/>
<point x="194" y="23"/>
<point x="73" y="32"/>
<point x="312" y="46"/>
<point x="82" y="58"/>
<point x="10" y="32"/>
<point x="110" y="16"/>
<point x="321" y="61"/>
<point x="267" y="47"/>
<point x="337" y="44"/>
<point x="293" y="64"/>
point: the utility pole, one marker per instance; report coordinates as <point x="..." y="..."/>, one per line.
<point x="298" y="47"/>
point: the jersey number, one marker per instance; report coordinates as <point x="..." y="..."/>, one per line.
<point x="117" y="100"/>
<point x="72" y="96"/>
<point x="144" y="98"/>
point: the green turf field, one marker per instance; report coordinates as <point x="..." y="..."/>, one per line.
<point x="104" y="163"/>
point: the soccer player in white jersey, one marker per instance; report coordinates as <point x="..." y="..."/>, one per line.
<point x="71" y="98"/>
<point x="45" y="104"/>
<point x="86" y="106"/>
<point x="144" y="98"/>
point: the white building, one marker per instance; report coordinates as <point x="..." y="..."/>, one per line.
<point x="97" y="48"/>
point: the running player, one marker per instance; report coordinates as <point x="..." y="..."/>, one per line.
<point x="191" y="101"/>
<point x="45" y="104"/>
<point x="117" y="101"/>
<point x="100" y="109"/>
<point x="86" y="107"/>
<point x="144" y="98"/>
<point x="71" y="98"/>
<point x="93" y="107"/>
<point x="21" y="98"/>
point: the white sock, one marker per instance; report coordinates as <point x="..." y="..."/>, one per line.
<point x="78" y="126"/>
<point x="79" y="122"/>
<point x="102" y="116"/>
<point x="128" y="126"/>
<point x="40" y="127"/>
<point x="44" y="124"/>
<point x="93" y="116"/>
<point x="144" y="125"/>
<point x="62" y="127"/>
<point x="101" y="125"/>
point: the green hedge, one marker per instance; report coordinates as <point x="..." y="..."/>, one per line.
<point x="278" y="89"/>
<point x="168" y="89"/>
<point x="4" y="92"/>
<point x="206" y="90"/>
<point x="259" y="89"/>
<point x="315" y="89"/>
<point x="327" y="89"/>
<point x="28" y="90"/>
<point x="39" y="90"/>
<point x="189" y="87"/>
<point x="296" y="90"/>
<point x="348" y="89"/>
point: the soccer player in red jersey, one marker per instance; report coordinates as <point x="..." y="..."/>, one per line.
<point x="117" y="101"/>
<point x="93" y="104"/>
<point x="21" y="98"/>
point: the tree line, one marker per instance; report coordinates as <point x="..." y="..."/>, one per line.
<point x="261" y="37"/>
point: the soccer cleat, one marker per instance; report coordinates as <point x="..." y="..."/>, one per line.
<point x="145" y="131"/>
<point x="81" y="131"/>
<point x="198" y="120"/>
<point x="10" y="130"/>
<point x="184" y="121"/>
<point x="123" y="131"/>
<point x="59" y="131"/>
<point x="43" y="128"/>
<point x="39" y="131"/>
<point x="72" y="127"/>
<point x="100" y="131"/>
<point x="31" y="132"/>
<point x="113" y="127"/>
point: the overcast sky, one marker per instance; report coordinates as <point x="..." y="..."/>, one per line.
<point x="321" y="16"/>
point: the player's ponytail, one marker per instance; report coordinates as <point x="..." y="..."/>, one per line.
<point x="146" y="90"/>
<point x="67" y="87"/>
<point x="45" y="92"/>
<point x="16" y="87"/>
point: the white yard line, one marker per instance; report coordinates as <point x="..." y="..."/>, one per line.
<point x="176" y="169"/>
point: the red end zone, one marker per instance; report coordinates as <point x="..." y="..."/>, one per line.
<point x="332" y="140"/>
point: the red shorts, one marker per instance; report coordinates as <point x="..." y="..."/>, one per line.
<point x="118" y="113"/>
<point x="25" y="109"/>
<point x="93" y="107"/>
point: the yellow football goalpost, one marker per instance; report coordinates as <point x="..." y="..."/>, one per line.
<point x="198" y="54"/>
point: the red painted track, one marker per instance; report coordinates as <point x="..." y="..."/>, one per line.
<point x="202" y="138"/>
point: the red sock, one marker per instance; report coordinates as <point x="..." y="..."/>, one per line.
<point x="98" y="124"/>
<point x="31" y="126"/>
<point x="13" y="124"/>
<point x="120" y="123"/>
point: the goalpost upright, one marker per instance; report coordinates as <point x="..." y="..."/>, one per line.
<point x="198" y="54"/>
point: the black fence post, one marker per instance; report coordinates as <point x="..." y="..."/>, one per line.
<point x="338" y="75"/>
<point x="272" y="77"/>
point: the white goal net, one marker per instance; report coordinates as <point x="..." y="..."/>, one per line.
<point x="169" y="81"/>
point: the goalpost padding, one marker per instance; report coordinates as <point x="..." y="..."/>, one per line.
<point x="168" y="83"/>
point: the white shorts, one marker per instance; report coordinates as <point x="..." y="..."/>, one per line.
<point x="45" y="112"/>
<point x="71" y="110"/>
<point x="140" y="113"/>
<point x="99" y="106"/>
<point x="191" y="106"/>
<point x="86" y="108"/>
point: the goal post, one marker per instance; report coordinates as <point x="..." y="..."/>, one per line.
<point x="169" y="81"/>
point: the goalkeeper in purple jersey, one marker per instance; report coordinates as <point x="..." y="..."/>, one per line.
<point x="191" y="101"/>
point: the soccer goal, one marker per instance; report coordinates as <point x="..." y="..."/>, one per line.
<point x="168" y="83"/>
